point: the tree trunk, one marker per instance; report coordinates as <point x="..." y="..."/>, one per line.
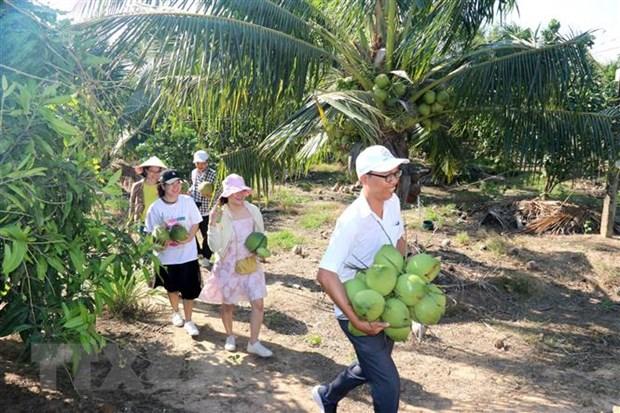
<point x="608" y="217"/>
<point x="397" y="144"/>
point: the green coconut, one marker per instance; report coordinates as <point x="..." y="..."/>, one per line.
<point x="382" y="80"/>
<point x="381" y="278"/>
<point x="398" y="333"/>
<point x="205" y="189"/>
<point x="424" y="265"/>
<point x="429" y="97"/>
<point x="161" y="235"/>
<point x="432" y="307"/>
<point x="424" y="109"/>
<point x="410" y="288"/>
<point x="256" y="240"/>
<point x="390" y="256"/>
<point x="178" y="233"/>
<point x="368" y="304"/>
<point x="354" y="286"/>
<point x="396" y="313"/>
<point x="354" y="331"/>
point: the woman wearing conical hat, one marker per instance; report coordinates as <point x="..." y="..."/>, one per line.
<point x="144" y="192"/>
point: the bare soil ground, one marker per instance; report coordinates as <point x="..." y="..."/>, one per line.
<point x="532" y="326"/>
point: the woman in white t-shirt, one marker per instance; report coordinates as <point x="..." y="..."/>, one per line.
<point x="179" y="272"/>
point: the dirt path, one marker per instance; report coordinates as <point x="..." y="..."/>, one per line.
<point x="513" y="340"/>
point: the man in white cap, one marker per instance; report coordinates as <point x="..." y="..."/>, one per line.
<point x="202" y="173"/>
<point x="371" y="221"/>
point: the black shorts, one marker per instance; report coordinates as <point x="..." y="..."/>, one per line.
<point x="183" y="278"/>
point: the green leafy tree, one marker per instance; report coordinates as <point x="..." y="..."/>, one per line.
<point x="59" y="249"/>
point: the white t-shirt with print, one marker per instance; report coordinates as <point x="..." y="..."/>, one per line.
<point x="358" y="235"/>
<point x="184" y="212"/>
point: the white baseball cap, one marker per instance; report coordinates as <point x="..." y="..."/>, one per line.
<point x="376" y="158"/>
<point x="201" y="156"/>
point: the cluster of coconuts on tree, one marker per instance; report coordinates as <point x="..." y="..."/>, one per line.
<point x="397" y="95"/>
<point x="397" y="291"/>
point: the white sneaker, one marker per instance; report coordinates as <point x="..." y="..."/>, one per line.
<point x="177" y="320"/>
<point x="191" y="328"/>
<point x="316" y="396"/>
<point x="230" y="345"/>
<point x="258" y="349"/>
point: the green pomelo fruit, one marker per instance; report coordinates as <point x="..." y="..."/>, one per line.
<point x="390" y="256"/>
<point x="354" y="286"/>
<point x="437" y="107"/>
<point x="410" y="288"/>
<point x="161" y="235"/>
<point x="436" y="125"/>
<point x="205" y="189"/>
<point x="255" y="241"/>
<point x="263" y="252"/>
<point x="424" y="109"/>
<point x="368" y="304"/>
<point x="396" y="313"/>
<point x="399" y="89"/>
<point x="380" y="94"/>
<point x="424" y="265"/>
<point x="430" y="309"/>
<point x="412" y="314"/>
<point x="427" y="124"/>
<point x="178" y="233"/>
<point x="381" y="278"/>
<point x="398" y="333"/>
<point x="354" y="331"/>
<point x="429" y="97"/>
<point x="382" y="80"/>
<point x="443" y="97"/>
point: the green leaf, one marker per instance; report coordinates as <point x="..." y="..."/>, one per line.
<point x="13" y="256"/>
<point x="74" y="322"/>
<point x="41" y="269"/>
<point x="58" y="100"/>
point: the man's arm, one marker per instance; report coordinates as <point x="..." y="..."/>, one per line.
<point x="334" y="288"/>
<point x="401" y="245"/>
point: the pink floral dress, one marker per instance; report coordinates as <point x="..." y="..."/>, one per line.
<point x="224" y="285"/>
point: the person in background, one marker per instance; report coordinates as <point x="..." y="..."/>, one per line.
<point x="144" y="192"/>
<point x="231" y="221"/>
<point x="179" y="272"/>
<point x="371" y="221"/>
<point x="202" y="173"/>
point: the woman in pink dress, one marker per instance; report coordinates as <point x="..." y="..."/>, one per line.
<point x="230" y="223"/>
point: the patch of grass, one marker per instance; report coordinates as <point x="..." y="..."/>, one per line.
<point x="327" y="167"/>
<point x="462" y="238"/>
<point x="317" y="216"/>
<point x="438" y="214"/>
<point x="283" y="240"/>
<point x="497" y="246"/>
<point x="287" y="198"/>
<point x="521" y="284"/>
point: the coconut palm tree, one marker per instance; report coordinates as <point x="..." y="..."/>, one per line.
<point x="399" y="72"/>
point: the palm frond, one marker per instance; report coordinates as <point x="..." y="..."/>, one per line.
<point x="528" y="137"/>
<point x="516" y="74"/>
<point x="258" y="172"/>
<point x="430" y="32"/>
<point x="301" y="137"/>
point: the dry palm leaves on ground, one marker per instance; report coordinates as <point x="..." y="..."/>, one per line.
<point x="541" y="217"/>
